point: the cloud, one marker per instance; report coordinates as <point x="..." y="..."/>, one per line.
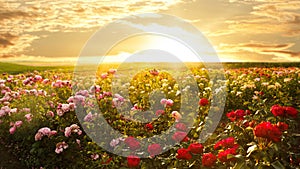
<point x="6" y="40"/>
<point x="277" y="51"/>
<point x="278" y="17"/>
<point x="282" y="53"/>
<point x="62" y="15"/>
<point x="283" y="12"/>
<point x="13" y="14"/>
<point x="24" y="18"/>
<point x="11" y="45"/>
<point x="4" y="43"/>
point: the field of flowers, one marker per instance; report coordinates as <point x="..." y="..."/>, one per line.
<point x="259" y="127"/>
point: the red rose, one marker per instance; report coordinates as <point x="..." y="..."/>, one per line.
<point x="277" y="110"/>
<point x="275" y="134"/>
<point x="291" y="111"/>
<point x="240" y="114"/>
<point x="184" y="154"/>
<point x="203" y="102"/>
<point x="132" y="143"/>
<point x="133" y="161"/>
<point x="180" y="136"/>
<point x="181" y="126"/>
<point x="196" y="148"/>
<point x="154" y="149"/>
<point x="208" y="159"/>
<point x="231" y="116"/>
<point x="149" y="126"/>
<point x="228" y="142"/>
<point x="268" y="130"/>
<point x="248" y="112"/>
<point x="222" y="156"/>
<point x="225" y="143"/>
<point x="218" y="145"/>
<point x="282" y="126"/>
<point x="261" y="130"/>
<point x="237" y="115"/>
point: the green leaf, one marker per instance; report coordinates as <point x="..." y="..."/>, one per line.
<point x="275" y="147"/>
<point x="251" y="149"/>
<point x="229" y="156"/>
<point x="240" y="157"/>
<point x="271" y="118"/>
<point x="277" y="165"/>
<point x="240" y="165"/>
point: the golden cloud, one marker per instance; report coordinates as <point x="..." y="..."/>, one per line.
<point x="277" y="51"/>
<point x="23" y="18"/>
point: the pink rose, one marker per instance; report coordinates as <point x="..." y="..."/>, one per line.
<point x="68" y="131"/>
<point x="88" y="117"/>
<point x="154" y="149"/>
<point x="176" y="115"/>
<point x="60" y="147"/>
<point x="163" y="101"/>
<point x="28" y="117"/>
<point x="18" y="123"/>
<point x="38" y="136"/>
<point x="12" y="130"/>
<point x="104" y="75"/>
<point x="169" y="103"/>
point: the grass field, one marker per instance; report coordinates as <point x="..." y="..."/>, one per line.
<point x="14" y="68"/>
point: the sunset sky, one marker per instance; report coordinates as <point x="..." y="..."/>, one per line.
<point x="239" y="30"/>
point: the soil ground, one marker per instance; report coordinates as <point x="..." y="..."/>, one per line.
<point x="7" y="160"/>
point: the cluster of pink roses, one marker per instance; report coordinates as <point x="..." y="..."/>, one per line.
<point x="31" y="80"/>
<point x="167" y="102"/>
<point x="106" y="74"/>
<point x="74" y="128"/>
<point x="60" y="147"/>
<point x="14" y="126"/>
<point x="117" y="101"/>
<point x="62" y="83"/>
<point x="4" y="111"/>
<point x="63" y="108"/>
<point x="45" y="131"/>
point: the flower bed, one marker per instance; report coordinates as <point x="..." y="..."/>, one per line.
<point x="259" y="127"/>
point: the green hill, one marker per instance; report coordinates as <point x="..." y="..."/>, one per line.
<point x="13" y="68"/>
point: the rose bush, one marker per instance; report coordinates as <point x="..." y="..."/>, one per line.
<point x="259" y="127"/>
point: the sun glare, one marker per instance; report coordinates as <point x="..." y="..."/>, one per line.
<point x="151" y="42"/>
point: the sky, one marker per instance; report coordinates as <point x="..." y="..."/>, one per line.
<point x="238" y="30"/>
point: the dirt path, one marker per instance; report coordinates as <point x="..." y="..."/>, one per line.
<point x="8" y="161"/>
